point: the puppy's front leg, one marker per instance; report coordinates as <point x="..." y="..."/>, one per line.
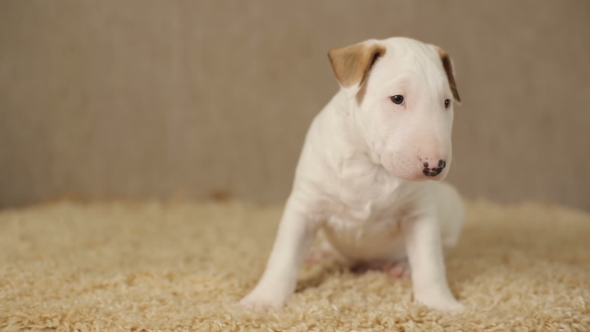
<point x="425" y="255"/>
<point x="295" y="235"/>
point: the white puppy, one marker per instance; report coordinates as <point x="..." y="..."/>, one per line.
<point x="364" y="173"/>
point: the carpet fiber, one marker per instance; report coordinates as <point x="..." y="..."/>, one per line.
<point x="179" y="266"/>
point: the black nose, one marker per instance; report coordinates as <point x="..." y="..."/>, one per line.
<point x="434" y="171"/>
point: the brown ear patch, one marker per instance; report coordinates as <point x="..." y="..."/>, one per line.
<point x="446" y="61"/>
<point x="351" y="64"/>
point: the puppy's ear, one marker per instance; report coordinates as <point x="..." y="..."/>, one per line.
<point x="352" y="64"/>
<point x="448" y="66"/>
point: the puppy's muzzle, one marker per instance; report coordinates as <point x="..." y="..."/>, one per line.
<point x="434" y="171"/>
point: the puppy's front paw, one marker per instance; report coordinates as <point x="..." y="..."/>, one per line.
<point x="452" y="306"/>
<point x="261" y="302"/>
<point x="440" y="302"/>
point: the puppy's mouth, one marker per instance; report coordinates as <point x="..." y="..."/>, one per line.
<point x="424" y="175"/>
<point x="410" y="176"/>
<point x="435" y="175"/>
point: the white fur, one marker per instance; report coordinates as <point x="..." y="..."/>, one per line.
<point x="360" y="180"/>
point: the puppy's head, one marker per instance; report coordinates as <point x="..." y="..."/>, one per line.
<point x="401" y="93"/>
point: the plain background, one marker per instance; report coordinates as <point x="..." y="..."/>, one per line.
<point x="154" y="99"/>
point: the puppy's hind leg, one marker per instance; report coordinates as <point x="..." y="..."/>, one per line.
<point x="398" y="270"/>
<point x="325" y="251"/>
<point x="451" y="214"/>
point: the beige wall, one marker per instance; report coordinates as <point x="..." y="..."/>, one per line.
<point x="155" y="98"/>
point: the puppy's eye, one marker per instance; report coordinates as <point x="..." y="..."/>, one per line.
<point x="397" y="99"/>
<point x="447" y="103"/>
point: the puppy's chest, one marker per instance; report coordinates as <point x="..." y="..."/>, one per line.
<point x="365" y="196"/>
<point x="366" y="217"/>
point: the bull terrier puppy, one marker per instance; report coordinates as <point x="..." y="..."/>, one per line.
<point x="369" y="175"/>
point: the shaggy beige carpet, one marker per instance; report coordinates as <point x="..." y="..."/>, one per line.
<point x="182" y="267"/>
